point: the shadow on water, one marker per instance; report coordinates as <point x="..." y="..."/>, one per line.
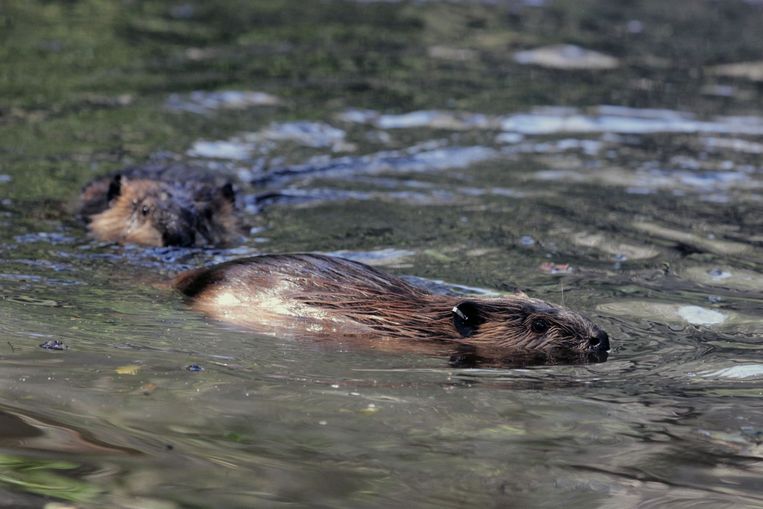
<point x="605" y="158"/>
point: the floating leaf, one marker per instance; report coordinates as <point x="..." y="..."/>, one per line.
<point x="129" y="369"/>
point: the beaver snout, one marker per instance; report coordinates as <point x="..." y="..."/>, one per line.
<point x="599" y="342"/>
<point x="598" y="346"/>
<point x="181" y="238"/>
<point x="179" y="227"/>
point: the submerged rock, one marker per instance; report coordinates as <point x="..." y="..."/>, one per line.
<point x="309" y="134"/>
<point x="733" y="144"/>
<point x="624" y="120"/>
<point x="245" y="145"/>
<point x="435" y="119"/>
<point x="702" y="243"/>
<point x="204" y="102"/>
<point x="752" y="71"/>
<point x="620" y="250"/>
<point x="558" y="120"/>
<point x="233" y="150"/>
<point x="725" y="277"/>
<point x="674" y="313"/>
<point x="428" y="119"/>
<point x="740" y="371"/>
<point x="454" y="54"/>
<point x="696" y="315"/>
<point x="53" y="344"/>
<point x="566" y="56"/>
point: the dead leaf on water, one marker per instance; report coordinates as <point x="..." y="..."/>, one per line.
<point x="148" y="389"/>
<point x="371" y="409"/>
<point x="128" y="369"/>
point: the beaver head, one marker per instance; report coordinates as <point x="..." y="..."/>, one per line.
<point x="521" y="329"/>
<point x="157" y="213"/>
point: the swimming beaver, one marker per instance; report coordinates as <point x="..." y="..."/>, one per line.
<point x="323" y="296"/>
<point x="142" y="207"/>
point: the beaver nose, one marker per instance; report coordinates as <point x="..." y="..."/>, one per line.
<point x="179" y="238"/>
<point x="599" y="342"/>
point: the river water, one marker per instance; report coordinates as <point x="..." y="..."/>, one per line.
<point x="602" y="155"/>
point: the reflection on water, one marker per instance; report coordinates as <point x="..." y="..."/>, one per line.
<point x="602" y="119"/>
<point x="618" y="173"/>
<point x="208" y="102"/>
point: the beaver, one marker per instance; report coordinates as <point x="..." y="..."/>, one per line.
<point x="143" y="207"/>
<point x="322" y="296"/>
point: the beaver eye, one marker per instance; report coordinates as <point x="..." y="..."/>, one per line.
<point x="539" y="325"/>
<point x="145" y="210"/>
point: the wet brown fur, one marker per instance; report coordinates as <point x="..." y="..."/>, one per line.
<point x="319" y="295"/>
<point x="154" y="212"/>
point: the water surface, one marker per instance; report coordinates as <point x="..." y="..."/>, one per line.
<point x="613" y="166"/>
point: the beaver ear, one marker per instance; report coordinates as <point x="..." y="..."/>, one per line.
<point x="115" y="187"/>
<point x="228" y="192"/>
<point x="467" y="317"/>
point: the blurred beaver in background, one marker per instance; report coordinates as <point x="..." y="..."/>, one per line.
<point x="319" y="296"/>
<point x="160" y="206"/>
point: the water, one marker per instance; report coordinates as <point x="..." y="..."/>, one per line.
<point x="408" y="136"/>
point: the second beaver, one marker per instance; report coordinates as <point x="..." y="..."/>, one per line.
<point x="327" y="297"/>
<point x="146" y="206"/>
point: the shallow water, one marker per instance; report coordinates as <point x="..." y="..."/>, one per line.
<point x="407" y="136"/>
